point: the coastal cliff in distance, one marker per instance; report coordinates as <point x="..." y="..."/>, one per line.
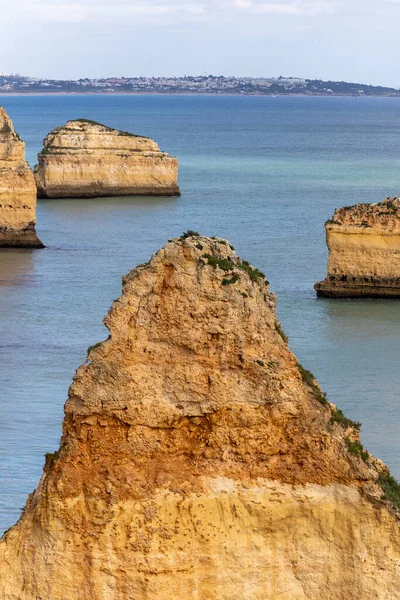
<point x="85" y="159"/>
<point x="200" y="461"/>
<point x="17" y="191"/>
<point x="364" y="252"/>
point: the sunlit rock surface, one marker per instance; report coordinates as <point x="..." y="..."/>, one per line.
<point x="17" y="191"/>
<point x="200" y="461"/>
<point x="364" y="252"/>
<point x="84" y="159"/>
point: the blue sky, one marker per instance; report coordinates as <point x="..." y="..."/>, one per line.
<point x="329" y="39"/>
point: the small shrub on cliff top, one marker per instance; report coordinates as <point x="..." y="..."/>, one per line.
<point x="92" y="122"/>
<point x="357" y="449"/>
<point x="338" y="417"/>
<point x="124" y="133"/>
<point x="309" y="379"/>
<point x="222" y="263"/>
<point x="390" y="488"/>
<point x="226" y="265"/>
<point x="188" y="234"/>
<point x="253" y="273"/>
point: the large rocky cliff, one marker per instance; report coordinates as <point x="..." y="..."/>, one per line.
<point x="86" y="159"/>
<point x="200" y="461"/>
<point x="17" y="191"/>
<point x="364" y="251"/>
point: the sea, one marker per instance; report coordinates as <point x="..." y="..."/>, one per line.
<point x="263" y="172"/>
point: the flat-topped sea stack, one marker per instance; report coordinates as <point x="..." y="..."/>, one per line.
<point x="200" y="461"/>
<point x="17" y="191"/>
<point x="84" y="159"/>
<point x="364" y="252"/>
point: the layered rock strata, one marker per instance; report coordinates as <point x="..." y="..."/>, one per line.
<point x="17" y="191"/>
<point x="84" y="159"/>
<point x="199" y="460"/>
<point x="364" y="252"/>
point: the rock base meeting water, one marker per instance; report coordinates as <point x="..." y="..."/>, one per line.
<point x="364" y="252"/>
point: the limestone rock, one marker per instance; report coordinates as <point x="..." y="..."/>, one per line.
<point x="200" y="461"/>
<point x="364" y="252"/>
<point x="17" y="191"/>
<point x="85" y="159"/>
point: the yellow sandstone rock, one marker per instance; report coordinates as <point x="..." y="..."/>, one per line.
<point x="200" y="461"/>
<point x="364" y="251"/>
<point x="85" y="159"/>
<point x="17" y="191"/>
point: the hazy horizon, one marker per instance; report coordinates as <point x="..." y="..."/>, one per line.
<point x="316" y="39"/>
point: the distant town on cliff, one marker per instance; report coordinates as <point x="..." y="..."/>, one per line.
<point x="202" y="84"/>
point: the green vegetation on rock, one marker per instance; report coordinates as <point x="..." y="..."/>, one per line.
<point x="51" y="457"/>
<point x="390" y="488"/>
<point x="357" y="449"/>
<point x="279" y="329"/>
<point x="94" y="347"/>
<point x="233" y="279"/>
<point x="338" y="417"/>
<point x="309" y="379"/>
<point x="189" y="233"/>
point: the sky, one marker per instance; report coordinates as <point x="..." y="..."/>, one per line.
<point x="351" y="40"/>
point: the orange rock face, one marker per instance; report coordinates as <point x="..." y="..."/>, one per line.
<point x="199" y="460"/>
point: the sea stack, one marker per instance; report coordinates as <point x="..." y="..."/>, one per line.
<point x="84" y="159"/>
<point x="364" y="252"/>
<point x="17" y="191"/>
<point x="200" y="461"/>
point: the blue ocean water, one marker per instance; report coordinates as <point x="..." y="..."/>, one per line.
<point x="263" y="172"/>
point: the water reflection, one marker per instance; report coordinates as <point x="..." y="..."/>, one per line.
<point x="16" y="267"/>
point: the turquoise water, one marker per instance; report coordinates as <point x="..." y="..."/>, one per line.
<point x="264" y="173"/>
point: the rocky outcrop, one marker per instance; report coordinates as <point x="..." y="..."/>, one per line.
<point x="85" y="159"/>
<point x="364" y="252"/>
<point x="199" y="460"/>
<point x="17" y="191"/>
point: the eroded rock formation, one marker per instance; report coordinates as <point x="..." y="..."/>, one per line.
<point x="85" y="159"/>
<point x="200" y="461"/>
<point x="17" y="191"/>
<point x="364" y="252"/>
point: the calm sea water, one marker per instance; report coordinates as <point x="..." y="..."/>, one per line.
<point x="263" y="172"/>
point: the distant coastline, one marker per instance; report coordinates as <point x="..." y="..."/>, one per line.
<point x="199" y="94"/>
<point x="192" y="85"/>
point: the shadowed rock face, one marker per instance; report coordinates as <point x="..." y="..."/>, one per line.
<point x="84" y="159"/>
<point x="199" y="460"/>
<point x="17" y="191"/>
<point x="364" y="252"/>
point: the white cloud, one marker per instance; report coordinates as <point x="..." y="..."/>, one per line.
<point x="299" y="7"/>
<point x="75" y="12"/>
